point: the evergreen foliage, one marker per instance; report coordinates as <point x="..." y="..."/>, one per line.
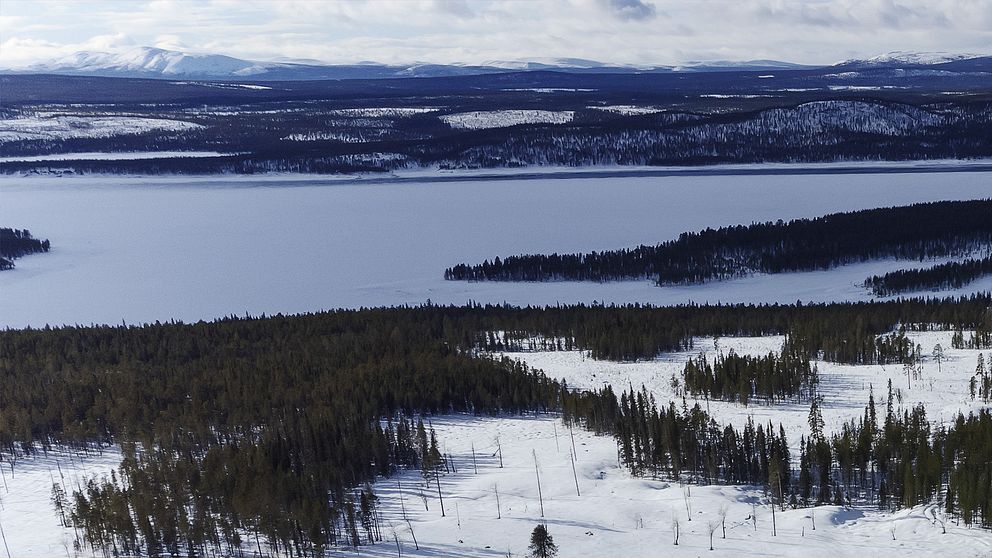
<point x="919" y="231"/>
<point x="542" y="544"/>
<point x="951" y="275"/>
<point x="732" y="377"/>
<point x="252" y="431"/>
<point x="15" y="243"/>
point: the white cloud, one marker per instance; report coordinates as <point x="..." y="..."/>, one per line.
<point x="473" y="31"/>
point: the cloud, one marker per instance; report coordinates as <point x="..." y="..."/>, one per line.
<point x="631" y="9"/>
<point x="643" y="32"/>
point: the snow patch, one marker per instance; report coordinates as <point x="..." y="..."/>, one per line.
<point x="479" y="120"/>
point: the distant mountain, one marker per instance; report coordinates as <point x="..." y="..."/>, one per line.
<point x="147" y="61"/>
<point x="746" y="65"/>
<point x="156" y="63"/>
<point x="903" y="58"/>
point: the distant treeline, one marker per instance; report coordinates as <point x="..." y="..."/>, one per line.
<point x="919" y="231"/>
<point x="15" y="243"/>
<point x="266" y="431"/>
<point x="951" y="275"/>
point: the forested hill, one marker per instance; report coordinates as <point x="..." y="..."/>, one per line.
<point x="919" y="231"/>
<point x="15" y="243"/>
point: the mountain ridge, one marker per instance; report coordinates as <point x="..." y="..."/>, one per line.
<point x="158" y="63"/>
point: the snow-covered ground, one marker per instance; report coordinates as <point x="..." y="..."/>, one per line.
<point x="844" y="388"/>
<point x="627" y="110"/>
<point x="146" y="249"/>
<point x="615" y="515"/>
<point x="28" y="520"/>
<point x="479" y="120"/>
<point x="114" y="156"/>
<point x="60" y="126"/>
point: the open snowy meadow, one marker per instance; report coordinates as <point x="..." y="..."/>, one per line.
<point x="598" y="508"/>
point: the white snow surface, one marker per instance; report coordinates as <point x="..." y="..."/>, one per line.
<point x="616" y="514"/>
<point x="60" y="126"/>
<point x="479" y="120"/>
<point x="114" y="156"/>
<point x="146" y="249"/>
<point x="30" y="525"/>
<point x="844" y="388"/>
<point x="627" y="110"/>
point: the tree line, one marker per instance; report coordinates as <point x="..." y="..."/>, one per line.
<point x="904" y="461"/>
<point x="919" y="231"/>
<point x="950" y="275"/>
<point x="15" y="243"/>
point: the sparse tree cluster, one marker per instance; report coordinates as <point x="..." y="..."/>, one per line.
<point x="732" y="377"/>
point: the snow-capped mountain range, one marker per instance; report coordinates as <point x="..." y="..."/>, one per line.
<point x="149" y="62"/>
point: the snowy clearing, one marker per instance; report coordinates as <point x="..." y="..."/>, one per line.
<point x="627" y="110"/>
<point x="61" y="127"/>
<point x="27" y="516"/>
<point x="844" y="388"/>
<point x="383" y="112"/>
<point x="480" y="120"/>
<point x="98" y="156"/>
<point x="617" y="515"/>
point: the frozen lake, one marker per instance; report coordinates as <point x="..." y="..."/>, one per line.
<point x="141" y="250"/>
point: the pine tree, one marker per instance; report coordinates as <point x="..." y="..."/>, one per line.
<point x="542" y="544"/>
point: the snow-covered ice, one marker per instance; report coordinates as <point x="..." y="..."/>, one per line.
<point x="146" y="249"/>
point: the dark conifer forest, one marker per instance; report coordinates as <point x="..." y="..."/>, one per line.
<point x="212" y="461"/>
<point x="950" y="275"/>
<point x="920" y="231"/>
<point x="15" y="243"/>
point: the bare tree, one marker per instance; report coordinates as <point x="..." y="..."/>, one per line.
<point x="711" y="526"/>
<point x="938" y="517"/>
<point x="722" y="514"/>
<point x="675" y="527"/>
<point x="685" y="496"/>
<point x="938" y="355"/>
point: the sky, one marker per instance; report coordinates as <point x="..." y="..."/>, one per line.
<point x="640" y="32"/>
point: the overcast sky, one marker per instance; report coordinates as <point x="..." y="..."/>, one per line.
<point x="644" y="32"/>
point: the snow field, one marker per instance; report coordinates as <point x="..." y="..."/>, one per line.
<point x="115" y="156"/>
<point x="844" y="388"/>
<point x="619" y="515"/>
<point x="627" y="110"/>
<point x="60" y="127"/>
<point x="28" y="520"/>
<point x="479" y="120"/>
